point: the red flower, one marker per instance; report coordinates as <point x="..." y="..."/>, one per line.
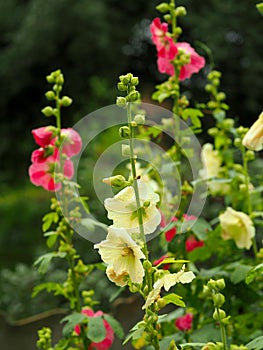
<point x="106" y="343"/>
<point x="158" y="261"/>
<point x="192" y="243"/>
<point x="184" y="323"/>
<point x="44" y="135"/>
<point x="72" y="142"/>
<point x="41" y="172"/>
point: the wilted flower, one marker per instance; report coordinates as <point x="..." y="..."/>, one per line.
<point x="167" y="281"/>
<point x="238" y="226"/>
<point x="123" y="255"/>
<point x="254" y="137"/>
<point x="122" y="208"/>
<point x="106" y="343"/>
<point x="184" y="323"/>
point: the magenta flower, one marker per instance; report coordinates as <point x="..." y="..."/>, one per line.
<point x="192" y="243"/>
<point x="196" y="63"/>
<point x="184" y="323"/>
<point x="41" y="172"/>
<point x="43" y="136"/>
<point x="106" y="343"/>
<point x="72" y="142"/>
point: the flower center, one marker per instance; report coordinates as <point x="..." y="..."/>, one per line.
<point x="127" y="252"/>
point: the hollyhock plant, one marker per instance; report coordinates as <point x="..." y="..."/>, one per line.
<point x="41" y="172"/>
<point x="238" y="226"/>
<point x="122" y="209"/>
<point x="184" y="323"/>
<point x="122" y="255"/>
<point x="109" y="338"/>
<point x="254" y="137"/>
<point x="44" y="135"/>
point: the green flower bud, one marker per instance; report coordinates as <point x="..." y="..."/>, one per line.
<point x="220" y="284"/>
<point x="167" y="17"/>
<point x="87" y="293"/>
<point x="60" y="79"/>
<point x="180" y="11"/>
<point x="57" y="88"/>
<point x="206" y="291"/>
<point x="133" y="288"/>
<point x="56" y="112"/>
<point x="241" y="130"/>
<point x="147" y="265"/>
<point x="47" y="111"/>
<point x="118" y="181"/>
<point x="209" y="88"/>
<point x="133" y="96"/>
<point x="146" y="204"/>
<point x="121" y="87"/>
<point x="210" y="346"/>
<point x="126" y="79"/>
<point x="139" y="119"/>
<point x="250" y="155"/>
<point x="237" y="142"/>
<point x="50" y="79"/>
<point x="212" y="104"/>
<point x="125" y="150"/>
<point x="178" y="31"/>
<point x="124" y="132"/>
<point x="219" y="315"/>
<point x="66" y="101"/>
<point x="50" y="95"/>
<point x="228" y="123"/>
<point x="161" y="303"/>
<point x="216" y="82"/>
<point x="211" y="284"/>
<point x="134" y="81"/>
<point x="221" y="96"/>
<point x="218" y="299"/>
<point x="163" y="7"/>
<point x="212" y="132"/>
<point x="121" y="101"/>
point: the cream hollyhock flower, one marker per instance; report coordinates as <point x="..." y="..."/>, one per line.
<point x="238" y="226"/>
<point x="254" y="137"/>
<point x="122" y="208"/>
<point x="122" y="255"/>
<point x="167" y="281"/>
<point x="211" y="168"/>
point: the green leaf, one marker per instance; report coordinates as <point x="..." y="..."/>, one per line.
<point x="201" y="228"/>
<point x="171" y="261"/>
<point x="255" y="272"/>
<point x="96" y="329"/>
<point x="48" y="220"/>
<point x="52" y="238"/>
<point x="193" y="345"/>
<point x="72" y="320"/>
<point x="194" y="114"/>
<point x="54" y="287"/>
<point x="174" y="299"/>
<point x="256" y="344"/>
<point x="44" y="261"/>
<point x="115" y="325"/>
<point x="238" y="272"/>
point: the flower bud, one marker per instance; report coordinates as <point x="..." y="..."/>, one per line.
<point x="212" y="131"/>
<point x="163" y="7"/>
<point x="220" y="284"/>
<point x="50" y="95"/>
<point x="139" y="119"/>
<point x="121" y="87"/>
<point x="178" y="31"/>
<point x="218" y="299"/>
<point x="118" y="181"/>
<point x="125" y="150"/>
<point x="161" y="303"/>
<point x="133" y="96"/>
<point x="221" y="96"/>
<point x="121" y="101"/>
<point x="66" y="101"/>
<point x="134" y="81"/>
<point x="124" y="132"/>
<point x="167" y="17"/>
<point x="237" y="142"/>
<point x="211" y="284"/>
<point x="126" y="79"/>
<point x="57" y="87"/>
<point x="180" y="11"/>
<point x="50" y="79"/>
<point x="48" y="111"/>
<point x="147" y="265"/>
<point x="209" y="88"/>
<point x="60" y="79"/>
<point x="219" y="315"/>
<point x="250" y="155"/>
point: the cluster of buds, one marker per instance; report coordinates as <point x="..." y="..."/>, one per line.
<point x="128" y="84"/>
<point x="44" y="341"/>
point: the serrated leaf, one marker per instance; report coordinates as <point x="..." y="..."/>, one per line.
<point x="115" y="325"/>
<point x="96" y="329"/>
<point x="72" y="320"/>
<point x="256" y="344"/>
<point x="174" y="299"/>
<point x="53" y="287"/>
<point x="44" y="261"/>
<point x="48" y="220"/>
<point x="52" y="238"/>
<point x="254" y="273"/>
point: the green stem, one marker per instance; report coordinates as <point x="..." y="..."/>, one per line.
<point x="248" y="196"/>
<point x="222" y="330"/>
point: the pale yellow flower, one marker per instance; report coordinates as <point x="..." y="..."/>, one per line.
<point x="212" y="161"/>
<point x="122" y="208"/>
<point x="238" y="226"/>
<point x="254" y="137"/>
<point x="122" y="255"/>
<point x="167" y="281"/>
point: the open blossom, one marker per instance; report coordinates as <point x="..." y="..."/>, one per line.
<point x="238" y="226"/>
<point x="122" y="208"/>
<point x="122" y="255"/>
<point x="72" y="142"/>
<point x="106" y="343"/>
<point x="211" y="162"/>
<point x="44" y="135"/>
<point x="192" y="243"/>
<point x="254" y="137"/>
<point x="166" y="282"/>
<point x="184" y="323"/>
<point x="41" y="173"/>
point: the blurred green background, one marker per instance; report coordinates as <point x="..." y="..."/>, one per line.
<point x="93" y="42"/>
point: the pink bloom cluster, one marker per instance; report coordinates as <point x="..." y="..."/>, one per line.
<point x="106" y="343"/>
<point x="167" y="50"/>
<point x="184" y="323"/>
<point x="191" y="242"/>
<point x="45" y="158"/>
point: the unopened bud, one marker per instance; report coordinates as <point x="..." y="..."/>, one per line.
<point x="124" y="132"/>
<point x="163" y="7"/>
<point x="139" y="119"/>
<point x="161" y="303"/>
<point x="180" y="11"/>
<point x="116" y="181"/>
<point x="121" y="87"/>
<point x="121" y="101"/>
<point x="220" y="284"/>
<point x="48" y="111"/>
<point x="134" y="81"/>
<point x="60" y="79"/>
<point x="250" y="155"/>
<point x="219" y="315"/>
<point x="50" y="95"/>
<point x="133" y="96"/>
<point x="66" y="101"/>
<point x="218" y="299"/>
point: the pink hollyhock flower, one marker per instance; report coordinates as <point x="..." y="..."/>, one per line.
<point x="158" y="261"/>
<point x="192" y="243"/>
<point x="44" y="135"/>
<point x="72" y="142"/>
<point x="184" y="323"/>
<point x="169" y="235"/>
<point x="106" y="343"/>
<point x="196" y="63"/>
<point x="41" y="173"/>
